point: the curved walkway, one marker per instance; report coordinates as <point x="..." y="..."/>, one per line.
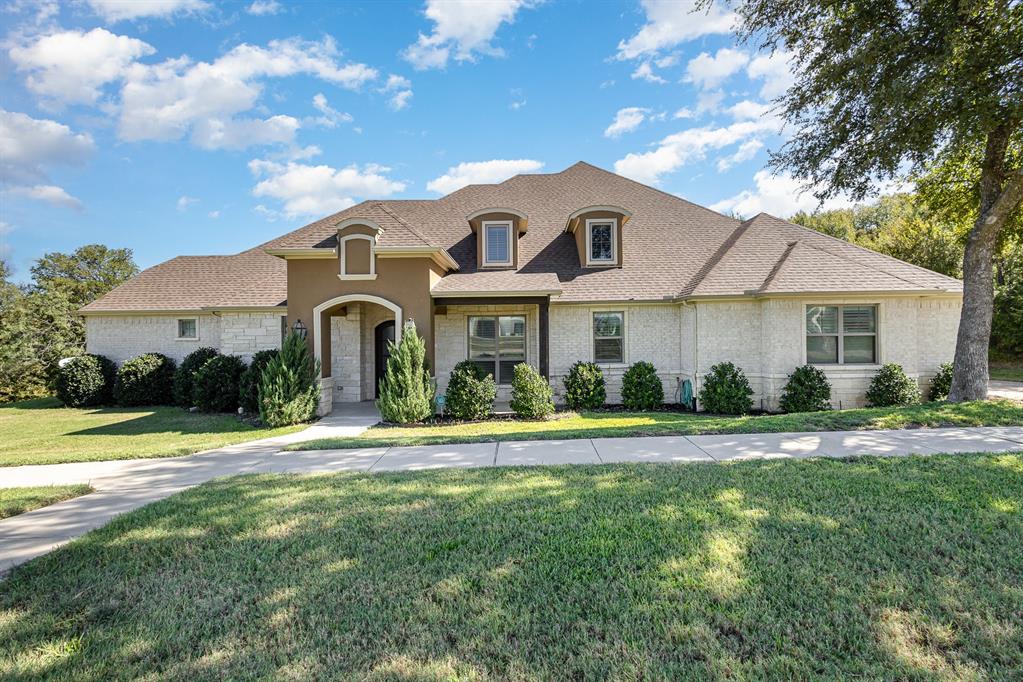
<point x="128" y="484"/>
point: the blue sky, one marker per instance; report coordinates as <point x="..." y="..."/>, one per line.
<point x="192" y="127"/>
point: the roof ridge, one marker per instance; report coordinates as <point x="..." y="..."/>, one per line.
<point x="868" y="267"/>
<point x="778" y="266"/>
<point x="712" y="262"/>
<point x="404" y="222"/>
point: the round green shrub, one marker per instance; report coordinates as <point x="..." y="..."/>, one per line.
<point x="145" y="380"/>
<point x="941" y="384"/>
<point x="807" y="390"/>
<point x="642" y="388"/>
<point x="585" y="388"/>
<point x="726" y="390"/>
<point x="185" y="374"/>
<point x="215" y="384"/>
<point x="890" y="387"/>
<point x="248" y="385"/>
<point x="471" y="392"/>
<point x="531" y="393"/>
<point x="85" y="381"/>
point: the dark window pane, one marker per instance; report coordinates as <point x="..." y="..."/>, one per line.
<point x="497" y="244"/>
<point x="822" y="319"/>
<point x="822" y="349"/>
<point x="487" y="366"/>
<point x="607" y="324"/>
<point x="858" y="349"/>
<point x="601" y="242"/>
<point x="607" y="350"/>
<point x="186" y="329"/>
<point x="859" y="319"/>
<point x="507" y="370"/>
<point x="482" y="337"/>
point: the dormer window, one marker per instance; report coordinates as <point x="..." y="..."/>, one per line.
<point x="601" y="241"/>
<point x="497" y="243"/>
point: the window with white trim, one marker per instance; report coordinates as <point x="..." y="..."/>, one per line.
<point x="497" y="344"/>
<point x="841" y="334"/>
<point x="601" y="241"/>
<point x="497" y="243"/>
<point x="188" y="329"/>
<point x="609" y="337"/>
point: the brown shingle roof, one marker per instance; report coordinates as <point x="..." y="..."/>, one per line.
<point x="672" y="248"/>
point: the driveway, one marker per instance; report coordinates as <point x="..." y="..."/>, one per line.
<point x="128" y="484"/>
<point x="1012" y="390"/>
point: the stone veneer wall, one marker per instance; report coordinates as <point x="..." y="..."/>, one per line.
<point x="121" y="337"/>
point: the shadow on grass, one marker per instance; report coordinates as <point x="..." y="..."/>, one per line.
<point x="162" y="419"/>
<point x="873" y="568"/>
<point x="33" y="404"/>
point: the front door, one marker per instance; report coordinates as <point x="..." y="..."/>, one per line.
<point x="383" y="338"/>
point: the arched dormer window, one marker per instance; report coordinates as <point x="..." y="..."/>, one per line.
<point x="497" y="231"/>
<point x="356" y="249"/>
<point x="598" y="234"/>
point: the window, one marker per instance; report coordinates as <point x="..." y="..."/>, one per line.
<point x="188" y="329"/>
<point x="609" y="337"/>
<point x="497" y="245"/>
<point x="841" y="334"/>
<point x="497" y="344"/>
<point x="601" y="244"/>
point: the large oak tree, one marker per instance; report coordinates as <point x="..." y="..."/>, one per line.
<point x="894" y="88"/>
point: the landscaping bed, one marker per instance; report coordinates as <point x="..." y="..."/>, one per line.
<point x="902" y="568"/>
<point x="613" y="424"/>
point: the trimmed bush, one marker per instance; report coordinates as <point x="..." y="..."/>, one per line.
<point x="726" y="390"/>
<point x="289" y="391"/>
<point x="585" y="388"/>
<point x="184" y="377"/>
<point x="890" y="387"/>
<point x="215" y="384"/>
<point x="642" y="388"/>
<point x="471" y="392"/>
<point x="406" y="391"/>
<point x="941" y="384"/>
<point x="531" y="393"/>
<point x="85" y="381"/>
<point x="145" y="380"/>
<point x="807" y="390"/>
<point x="248" y="385"/>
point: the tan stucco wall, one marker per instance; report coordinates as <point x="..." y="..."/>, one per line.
<point x="357" y="255"/>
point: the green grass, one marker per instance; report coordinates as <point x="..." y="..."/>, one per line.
<point x="902" y="568"/>
<point x="14" y="501"/>
<point x="1006" y="370"/>
<point x="42" y="432"/>
<point x="620" y="424"/>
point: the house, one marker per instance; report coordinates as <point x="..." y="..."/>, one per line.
<point x="548" y="269"/>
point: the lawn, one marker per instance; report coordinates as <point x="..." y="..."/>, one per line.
<point x="620" y="424"/>
<point x="14" y="501"/>
<point x="1006" y="370"/>
<point x="902" y="568"/>
<point x="42" y="432"/>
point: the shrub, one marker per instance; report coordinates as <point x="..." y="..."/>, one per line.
<point x="248" y="385"/>
<point x="215" y="384"/>
<point x="471" y="392"/>
<point x="145" y="380"/>
<point x="289" y="391"/>
<point x="406" y="391"/>
<point x="531" y="393"/>
<point x="941" y="384"/>
<point x="584" y="387"/>
<point x="185" y="375"/>
<point x="1007" y="319"/>
<point x="642" y="388"/>
<point x="86" y="380"/>
<point x="807" y="390"/>
<point x="726" y="390"/>
<point x="890" y="387"/>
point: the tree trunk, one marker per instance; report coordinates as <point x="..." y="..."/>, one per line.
<point x="998" y="198"/>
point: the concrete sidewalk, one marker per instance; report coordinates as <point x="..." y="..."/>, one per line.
<point x="128" y="484"/>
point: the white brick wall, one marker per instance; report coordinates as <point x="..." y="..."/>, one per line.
<point x="121" y="337"/>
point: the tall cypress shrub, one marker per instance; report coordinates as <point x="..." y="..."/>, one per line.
<point x="406" y="392"/>
<point x="289" y="391"/>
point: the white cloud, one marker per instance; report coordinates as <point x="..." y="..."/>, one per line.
<point x="319" y="190"/>
<point x="118" y="10"/>
<point x="774" y="70"/>
<point x="51" y="194"/>
<point x="626" y="120"/>
<point x="684" y="112"/>
<point x="670" y="22"/>
<point x="331" y="117"/>
<point x="747" y="110"/>
<point x="645" y="72"/>
<point x="780" y="195"/>
<point x="264" y="7"/>
<point x="167" y="100"/>
<point x="481" y="172"/>
<point x="184" y="202"/>
<point x="72" y="66"/>
<point x="692" y="144"/>
<point x="747" y="150"/>
<point x="400" y="90"/>
<point x="709" y="102"/>
<point x="462" y="29"/>
<point x="213" y="215"/>
<point x="708" y="71"/>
